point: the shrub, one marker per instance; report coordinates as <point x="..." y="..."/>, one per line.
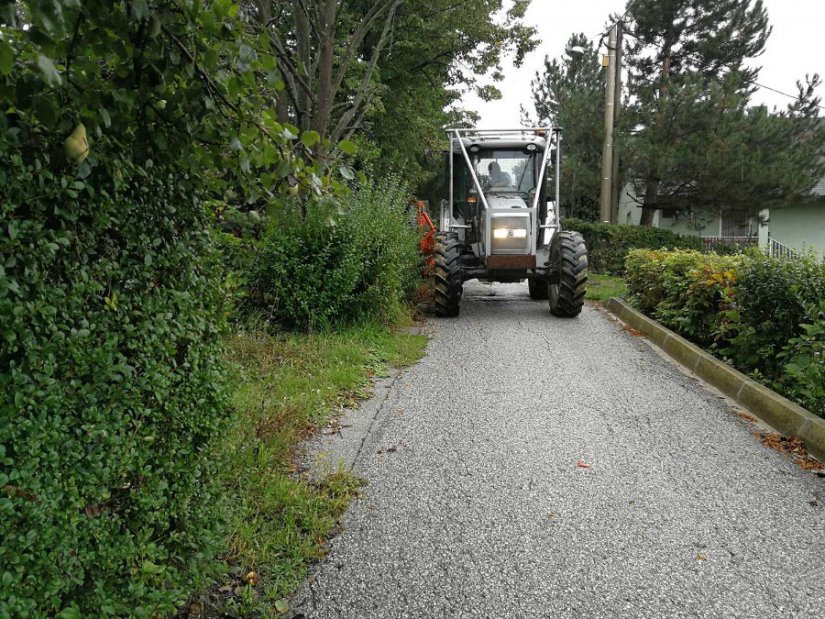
<point x="340" y="264"/>
<point x="609" y="244"/>
<point x="766" y="315"/>
<point x="773" y="297"/>
<point x="685" y="290"/>
<point x="111" y="392"/>
<point x="803" y="363"/>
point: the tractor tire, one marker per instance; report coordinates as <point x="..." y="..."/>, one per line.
<point x="447" y="276"/>
<point x="538" y="288"/>
<point x="567" y="291"/>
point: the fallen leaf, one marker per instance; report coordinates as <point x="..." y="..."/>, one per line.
<point x="701" y="557"/>
<point x="745" y="416"/>
<point x="281" y="606"/>
<point x="794" y="447"/>
<point x="634" y="332"/>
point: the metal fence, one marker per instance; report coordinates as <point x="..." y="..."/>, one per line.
<point x="728" y="244"/>
<point x="778" y="250"/>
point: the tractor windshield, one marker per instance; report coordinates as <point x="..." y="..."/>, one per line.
<point x="507" y="171"/>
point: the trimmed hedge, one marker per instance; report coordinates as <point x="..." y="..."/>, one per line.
<point x="111" y="393"/>
<point x="344" y="263"/>
<point x="765" y="315"/>
<point x="687" y="291"/>
<point x="609" y="244"/>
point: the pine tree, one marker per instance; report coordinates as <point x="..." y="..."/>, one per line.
<point x="570" y="93"/>
<point x="697" y="143"/>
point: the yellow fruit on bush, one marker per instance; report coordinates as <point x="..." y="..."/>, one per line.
<point x="76" y="145"/>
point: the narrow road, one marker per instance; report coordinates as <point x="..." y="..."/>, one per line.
<point x="476" y="506"/>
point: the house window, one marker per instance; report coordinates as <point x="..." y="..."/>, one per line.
<point x="736" y="224"/>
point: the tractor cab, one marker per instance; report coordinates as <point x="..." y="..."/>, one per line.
<point x="499" y="222"/>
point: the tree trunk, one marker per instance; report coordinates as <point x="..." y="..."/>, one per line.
<point x="282" y="108"/>
<point x="649" y="205"/>
<point x="653" y="183"/>
<point x="323" y="111"/>
<point x="303" y="48"/>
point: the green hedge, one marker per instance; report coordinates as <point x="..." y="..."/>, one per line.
<point x="111" y="393"/>
<point x="686" y="290"/>
<point x="765" y="315"/>
<point x="346" y="262"/>
<point x="608" y="244"/>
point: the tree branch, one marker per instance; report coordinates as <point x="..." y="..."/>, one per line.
<point x="358" y="37"/>
<point x="347" y="117"/>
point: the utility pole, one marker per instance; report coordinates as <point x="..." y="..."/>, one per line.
<point x="607" y="151"/>
<point x="615" y="189"/>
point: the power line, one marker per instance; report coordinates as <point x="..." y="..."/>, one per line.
<point x="632" y="5"/>
<point x="779" y="92"/>
<point x="629" y="8"/>
<point x="621" y="19"/>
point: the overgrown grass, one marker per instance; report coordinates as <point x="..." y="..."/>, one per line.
<point x="287" y="386"/>
<point x="601" y="287"/>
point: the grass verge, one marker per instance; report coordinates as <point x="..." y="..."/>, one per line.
<point x="287" y="386"/>
<point x="601" y="287"/>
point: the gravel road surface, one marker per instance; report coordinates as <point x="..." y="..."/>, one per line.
<point x="478" y="502"/>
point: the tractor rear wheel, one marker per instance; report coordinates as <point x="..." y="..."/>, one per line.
<point x="538" y="288"/>
<point x="568" y="288"/>
<point x="447" y="275"/>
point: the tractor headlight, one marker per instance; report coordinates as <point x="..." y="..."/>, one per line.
<point x="510" y="233"/>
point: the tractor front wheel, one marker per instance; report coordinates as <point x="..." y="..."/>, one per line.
<point x="447" y="275"/>
<point x="538" y="288"/>
<point x="567" y="289"/>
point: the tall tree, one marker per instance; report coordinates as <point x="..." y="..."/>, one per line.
<point x="442" y="49"/>
<point x="569" y="92"/>
<point x="689" y="79"/>
<point x="320" y="45"/>
<point x="396" y="65"/>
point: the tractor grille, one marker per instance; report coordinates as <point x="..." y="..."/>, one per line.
<point x="512" y="243"/>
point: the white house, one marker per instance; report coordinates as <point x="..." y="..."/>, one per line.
<point x="779" y="230"/>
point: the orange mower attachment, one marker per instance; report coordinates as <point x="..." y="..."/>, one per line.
<point x="426" y="244"/>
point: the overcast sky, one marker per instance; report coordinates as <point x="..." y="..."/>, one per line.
<point x="793" y="49"/>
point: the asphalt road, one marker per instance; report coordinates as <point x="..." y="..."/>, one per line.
<point x="475" y="505"/>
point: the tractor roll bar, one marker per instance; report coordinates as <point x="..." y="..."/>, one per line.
<point x="533" y="130"/>
<point x="470" y="167"/>
<point x="547" y="148"/>
<point x="557" y="205"/>
<point x="458" y="133"/>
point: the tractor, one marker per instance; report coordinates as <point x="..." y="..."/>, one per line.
<point x="499" y="223"/>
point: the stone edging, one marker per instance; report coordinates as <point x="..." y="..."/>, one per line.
<point x="787" y="417"/>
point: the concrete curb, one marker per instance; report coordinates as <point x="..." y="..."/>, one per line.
<point x="788" y="418"/>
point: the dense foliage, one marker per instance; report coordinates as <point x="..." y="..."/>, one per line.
<point x="765" y="315"/>
<point x="695" y="140"/>
<point x="111" y="393"/>
<point x="342" y="264"/>
<point x="388" y="73"/>
<point x="118" y="119"/>
<point x="608" y="245"/>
